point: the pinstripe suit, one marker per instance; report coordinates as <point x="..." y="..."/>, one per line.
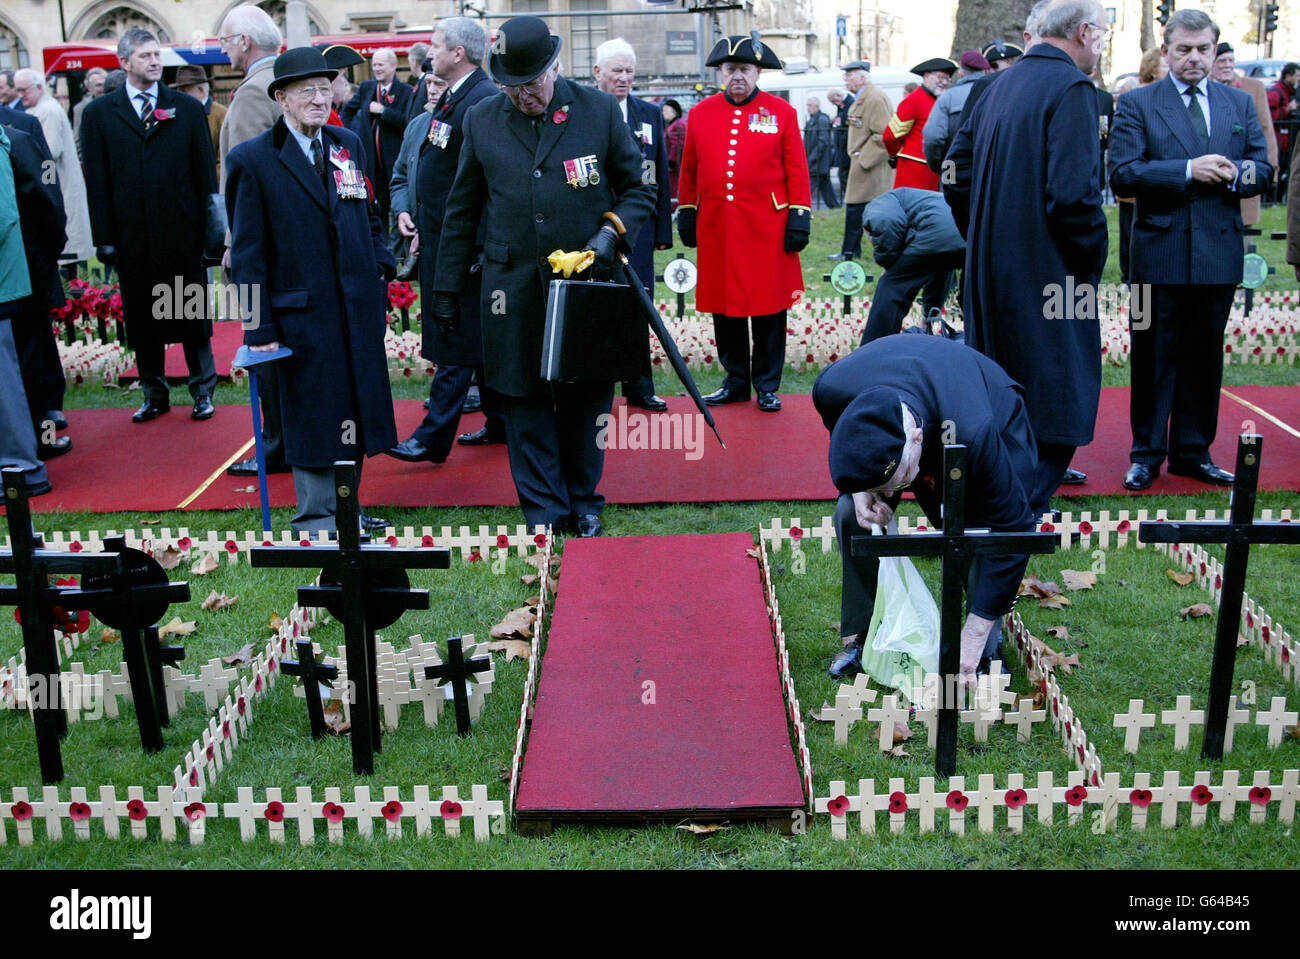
<point x="1187" y="243"/>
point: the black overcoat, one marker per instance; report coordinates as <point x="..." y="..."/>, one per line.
<point x="392" y="122"/>
<point x="315" y="264"/>
<point x="148" y="197"/>
<point x="519" y="177"/>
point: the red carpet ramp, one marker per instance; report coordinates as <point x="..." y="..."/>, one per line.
<point x="660" y="694"/>
<point x="227" y="337"/>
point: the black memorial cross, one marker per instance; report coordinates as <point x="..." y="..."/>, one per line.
<point x="364" y="586"/>
<point x="1239" y="532"/>
<point x="312" y="674"/>
<point x="112" y="593"/>
<point x="957" y="547"/>
<point x="456" y="670"/>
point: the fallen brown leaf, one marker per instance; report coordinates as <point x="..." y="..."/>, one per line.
<point x="1058" y="632"/>
<point x="245" y="489"/>
<point x="110" y="636"/>
<point x="1033" y="586"/>
<point x="898" y="752"/>
<point x="819" y="715"/>
<point x="276" y="622"/>
<point x="335" y="721"/>
<point x="514" y="648"/>
<point x="701" y="830"/>
<point x="901" y="733"/>
<point x="504" y="774"/>
<point x="1293" y="731"/>
<point x="1078" y="579"/>
<point x="217" y="601"/>
<point x="517" y="623"/>
<point x="1182" y="579"/>
<point x="552" y="585"/>
<point x="245" y="655"/>
<point x="754" y="553"/>
<point x="1242" y="640"/>
<point x="207" y="564"/>
<point x="171" y="558"/>
<point x="177" y="628"/>
<point x="533" y="601"/>
<point x="1053" y="602"/>
<point x="150" y="522"/>
<point x="1196" y="611"/>
<point x="529" y="578"/>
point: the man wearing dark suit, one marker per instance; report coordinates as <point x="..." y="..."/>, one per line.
<point x="615" y="70"/>
<point x="549" y="165"/>
<point x="1189" y="150"/>
<point x="304" y="239"/>
<point x="422" y="178"/>
<point x="149" y="170"/>
<point x="378" y="113"/>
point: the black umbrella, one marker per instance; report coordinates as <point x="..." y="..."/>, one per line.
<point x="656" y="322"/>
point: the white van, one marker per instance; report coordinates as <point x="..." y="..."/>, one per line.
<point x="797" y="87"/>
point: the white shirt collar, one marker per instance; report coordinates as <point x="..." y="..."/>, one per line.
<point x="305" y="142"/>
<point x="1182" y="87"/>
<point x="459" y="83"/>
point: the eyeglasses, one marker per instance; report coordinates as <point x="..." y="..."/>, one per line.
<point x="312" y="92"/>
<point x="1105" y="31"/>
<point x="221" y="41"/>
<point x="532" y="86"/>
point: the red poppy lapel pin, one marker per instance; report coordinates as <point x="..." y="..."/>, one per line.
<point x="560" y="115"/>
<point x="162" y="114"/>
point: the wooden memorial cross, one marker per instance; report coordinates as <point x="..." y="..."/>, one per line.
<point x="457" y="670"/>
<point x="957" y="547"/>
<point x="364" y="586"/>
<point x="312" y="674"/>
<point x="1239" y="532"/>
<point x="123" y="588"/>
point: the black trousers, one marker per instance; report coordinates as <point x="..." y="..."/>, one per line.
<point x="852" y="245"/>
<point x="931" y="276"/>
<point x="1125" y="237"/>
<point x="554" y="459"/>
<point x="822" y="186"/>
<point x="198" y="358"/>
<point x="732" y="335"/>
<point x="447" y="392"/>
<point x="644" y="385"/>
<point x="38" y="359"/>
<point x="1177" y="370"/>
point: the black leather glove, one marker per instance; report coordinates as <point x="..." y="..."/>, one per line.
<point x="797" y="225"/>
<point x="446" y="312"/>
<point x="686" y="226"/>
<point x="107" y="255"/>
<point x="605" y="245"/>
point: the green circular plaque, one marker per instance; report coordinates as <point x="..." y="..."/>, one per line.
<point x="1254" y="271"/>
<point x="848" y="278"/>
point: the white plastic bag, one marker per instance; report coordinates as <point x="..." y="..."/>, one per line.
<point x="906" y="619"/>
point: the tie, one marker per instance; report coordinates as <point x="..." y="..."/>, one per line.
<point x="1196" y="116"/>
<point x="318" y="160"/>
<point x="379" y="149"/>
<point x="443" y="103"/>
<point x="146" y="110"/>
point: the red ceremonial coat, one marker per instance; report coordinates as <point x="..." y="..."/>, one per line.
<point x="743" y="167"/>
<point x="902" y="139"/>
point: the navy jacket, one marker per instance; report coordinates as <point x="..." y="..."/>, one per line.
<point x="911" y="222"/>
<point x="658" y="227"/>
<point x="356" y="116"/>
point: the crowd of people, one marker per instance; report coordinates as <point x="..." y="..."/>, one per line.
<point x="469" y="173"/>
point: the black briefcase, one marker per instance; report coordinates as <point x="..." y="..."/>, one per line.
<point x="595" y="333"/>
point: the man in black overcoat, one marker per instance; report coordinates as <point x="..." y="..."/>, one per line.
<point x="425" y="170"/>
<point x="147" y="155"/>
<point x="304" y="238"/>
<point x="551" y="165"/>
<point x="1029" y="200"/>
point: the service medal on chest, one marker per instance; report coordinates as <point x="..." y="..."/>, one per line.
<point x="440" y="134"/>
<point x="762" y="122"/>
<point x="581" y="171"/>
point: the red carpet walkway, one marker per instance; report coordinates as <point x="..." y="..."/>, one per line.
<point x="227" y="337"/>
<point x="118" y="465"/>
<point x="656" y="709"/>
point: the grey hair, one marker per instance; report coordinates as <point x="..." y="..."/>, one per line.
<point x="132" y="40"/>
<point x="1062" y="19"/>
<point x="256" y="24"/>
<point x="815" y="100"/>
<point x="388" y="53"/>
<point x="418" y="52"/>
<point x="1189" y="21"/>
<point x="1033" y="23"/>
<point x="618" y="47"/>
<point x="28" y="74"/>
<point x="463" y="32"/>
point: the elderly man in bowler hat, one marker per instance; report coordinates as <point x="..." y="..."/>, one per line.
<point x="745" y="180"/>
<point x="545" y="165"/>
<point x="305" y="240"/>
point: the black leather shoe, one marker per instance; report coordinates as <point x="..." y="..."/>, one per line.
<point x="479" y="438"/>
<point x="1140" y="476"/>
<point x="726" y="395"/>
<point x="426" y="404"/>
<point x="589" y="525"/>
<point x="248" y="467"/>
<point x="203" y="409"/>
<point x="373" y="524"/>
<point x="655" y="404"/>
<point x="1205" y="472"/>
<point x="473" y="403"/>
<point x="848" y="662"/>
<point x="413" y="451"/>
<point x="47" y="451"/>
<point x="148" y="412"/>
<point x="1073" y="478"/>
<point x="58" y="419"/>
<point x="769" y="402"/>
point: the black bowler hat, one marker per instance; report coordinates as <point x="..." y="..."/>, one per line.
<point x="522" y="51"/>
<point x="340" y="56"/>
<point x="867" y="442"/>
<point x="300" y="63"/>
<point x="935" y="63"/>
<point x="748" y="49"/>
<point x="1000" y="50"/>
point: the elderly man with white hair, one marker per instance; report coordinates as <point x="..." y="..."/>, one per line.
<point x="614" y="71"/>
<point x="378" y="114"/>
<point x="37" y="101"/>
